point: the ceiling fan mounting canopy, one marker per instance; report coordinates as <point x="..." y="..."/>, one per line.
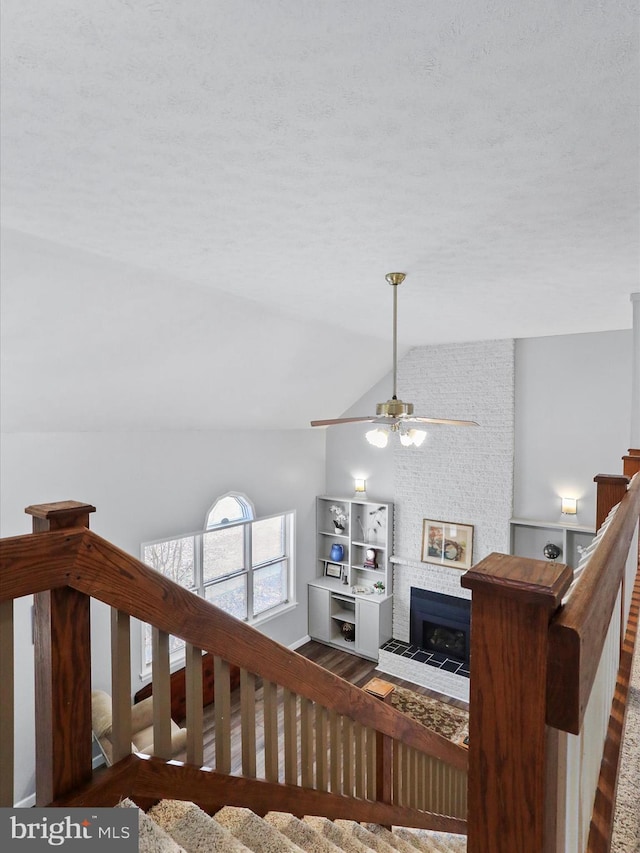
<point x="394" y="414"/>
<point x="395" y="278"/>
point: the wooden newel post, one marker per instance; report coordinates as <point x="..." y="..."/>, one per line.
<point x="512" y="602"/>
<point x="631" y="462"/>
<point x="384" y="749"/>
<point x="62" y="670"/>
<point x="611" y="488"/>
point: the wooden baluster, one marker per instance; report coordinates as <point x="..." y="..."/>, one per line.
<point x="270" y="700"/>
<point x="290" y="738"/>
<point x="120" y="684"/>
<point x="347" y="756"/>
<point x="7" y="727"/>
<point x="372" y="763"/>
<point x="248" y="722"/>
<point x="322" y="743"/>
<point x="382" y="690"/>
<point x="194" y="699"/>
<point x="222" y="713"/>
<point x="161" y="676"/>
<point x="513" y="600"/>
<point x="396" y="774"/>
<point x="413" y="778"/>
<point x="306" y="742"/>
<point x="335" y="752"/>
<point x="359" y="746"/>
<point x="406" y="775"/>
<point x="422" y="781"/>
<point x="62" y="654"/>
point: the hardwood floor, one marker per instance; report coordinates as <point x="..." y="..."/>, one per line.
<point x="352" y="668"/>
<point x="358" y="670"/>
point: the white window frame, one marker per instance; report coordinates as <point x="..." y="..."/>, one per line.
<point x="248" y="570"/>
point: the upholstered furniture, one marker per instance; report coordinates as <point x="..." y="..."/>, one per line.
<point x="141" y="726"/>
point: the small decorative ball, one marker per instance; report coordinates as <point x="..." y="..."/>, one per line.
<point x="551" y="551"/>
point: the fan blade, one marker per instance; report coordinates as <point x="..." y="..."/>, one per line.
<point x="334" y="421"/>
<point x="420" y="420"/>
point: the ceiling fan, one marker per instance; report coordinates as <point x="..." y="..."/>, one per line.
<point x="394" y="415"/>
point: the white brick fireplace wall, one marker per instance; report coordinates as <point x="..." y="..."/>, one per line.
<point x="460" y="474"/>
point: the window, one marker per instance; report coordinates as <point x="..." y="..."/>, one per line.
<point x="242" y="564"/>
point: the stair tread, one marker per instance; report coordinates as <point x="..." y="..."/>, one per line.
<point x="441" y="842"/>
<point x="370" y="840"/>
<point x="254" y="832"/>
<point x="152" y="838"/>
<point x="301" y="833"/>
<point x="194" y="829"/>
<point x="391" y="838"/>
<point x="338" y="835"/>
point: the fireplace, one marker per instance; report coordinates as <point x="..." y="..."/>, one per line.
<point x="439" y="624"/>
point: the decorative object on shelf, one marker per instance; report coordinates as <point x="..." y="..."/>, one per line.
<point x="376" y="522"/>
<point x="339" y="518"/>
<point x="379" y="587"/>
<point x="569" y="506"/>
<point x="348" y="632"/>
<point x="371" y="559"/>
<point x="551" y="551"/>
<point x="337" y="552"/>
<point x="394" y="416"/>
<point x="360" y="488"/>
<point x="345" y="575"/>
<point x="447" y="543"/>
<point x="332" y="570"/>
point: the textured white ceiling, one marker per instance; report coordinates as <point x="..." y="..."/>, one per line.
<point x="291" y="153"/>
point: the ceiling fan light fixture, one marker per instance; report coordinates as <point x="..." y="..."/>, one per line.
<point x="377" y="437"/>
<point x="413" y="437"/>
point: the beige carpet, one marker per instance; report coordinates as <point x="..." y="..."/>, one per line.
<point x="450" y="722"/>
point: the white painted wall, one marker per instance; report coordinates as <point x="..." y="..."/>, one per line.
<point x="145" y="486"/>
<point x="573" y="414"/>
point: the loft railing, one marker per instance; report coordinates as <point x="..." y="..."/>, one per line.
<point x="544" y="664"/>
<point x="541" y="662"/>
<point x="346" y="754"/>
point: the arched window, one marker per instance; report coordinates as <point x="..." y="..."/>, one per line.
<point x="229" y="508"/>
<point x="242" y="564"/>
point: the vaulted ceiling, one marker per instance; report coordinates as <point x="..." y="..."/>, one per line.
<point x="200" y="200"/>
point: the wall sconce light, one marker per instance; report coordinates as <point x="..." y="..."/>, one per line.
<point x="569" y="506"/>
<point x="360" y="487"/>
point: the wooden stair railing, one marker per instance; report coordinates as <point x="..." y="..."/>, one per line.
<point x="534" y="663"/>
<point x="75" y="564"/>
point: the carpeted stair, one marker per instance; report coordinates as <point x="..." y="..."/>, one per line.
<point x="174" y="826"/>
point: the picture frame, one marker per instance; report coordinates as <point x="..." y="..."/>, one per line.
<point x="447" y="543"/>
<point x="333" y="570"/>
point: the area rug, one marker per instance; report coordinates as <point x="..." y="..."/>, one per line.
<point x="446" y="720"/>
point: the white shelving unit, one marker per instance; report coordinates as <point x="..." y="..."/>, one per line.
<point x="344" y="609"/>
<point x="528" y="538"/>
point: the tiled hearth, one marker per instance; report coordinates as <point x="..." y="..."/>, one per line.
<point x="414" y="664"/>
<point x="415" y="653"/>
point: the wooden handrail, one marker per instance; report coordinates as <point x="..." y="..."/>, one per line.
<point x="577" y="632"/>
<point x="84" y="561"/>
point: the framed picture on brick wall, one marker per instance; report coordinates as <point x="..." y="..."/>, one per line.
<point x="447" y="543"/>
